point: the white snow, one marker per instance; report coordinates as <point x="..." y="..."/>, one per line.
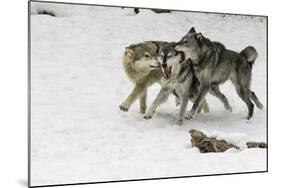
<point x="78" y="133"/>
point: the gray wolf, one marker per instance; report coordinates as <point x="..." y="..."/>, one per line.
<point x="178" y="79"/>
<point x="214" y="64"/>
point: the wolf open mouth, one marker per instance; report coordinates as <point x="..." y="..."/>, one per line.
<point x="167" y="71"/>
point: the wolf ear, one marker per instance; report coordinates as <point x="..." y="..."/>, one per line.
<point x="192" y="30"/>
<point x="199" y="36"/>
<point x="129" y="52"/>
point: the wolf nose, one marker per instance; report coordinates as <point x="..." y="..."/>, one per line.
<point x="164" y="65"/>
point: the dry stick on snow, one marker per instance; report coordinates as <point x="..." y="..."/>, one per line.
<point x="210" y="144"/>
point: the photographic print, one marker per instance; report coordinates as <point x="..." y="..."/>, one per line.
<point x="128" y="93"/>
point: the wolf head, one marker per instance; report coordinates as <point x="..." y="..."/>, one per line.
<point x="171" y="61"/>
<point x="142" y="58"/>
<point x="192" y="45"/>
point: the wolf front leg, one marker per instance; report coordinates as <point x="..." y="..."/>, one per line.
<point x="160" y="99"/>
<point x="203" y="90"/>
<point x="136" y="93"/>
<point x="184" y="102"/>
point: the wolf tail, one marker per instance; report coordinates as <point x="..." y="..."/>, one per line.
<point x="250" y="54"/>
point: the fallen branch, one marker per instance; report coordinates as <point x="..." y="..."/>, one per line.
<point x="211" y="144"/>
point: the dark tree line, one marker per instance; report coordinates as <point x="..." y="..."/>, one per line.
<point x="158" y="11"/>
<point x="136" y="10"/>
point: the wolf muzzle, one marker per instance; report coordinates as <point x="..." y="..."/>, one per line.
<point x="168" y="69"/>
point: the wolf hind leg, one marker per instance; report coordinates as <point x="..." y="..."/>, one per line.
<point x="203" y="107"/>
<point x="256" y="100"/>
<point x="203" y="90"/>
<point x="242" y="82"/>
<point x="244" y="94"/>
<point x="143" y="102"/>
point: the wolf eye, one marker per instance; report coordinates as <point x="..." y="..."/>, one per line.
<point x="146" y="55"/>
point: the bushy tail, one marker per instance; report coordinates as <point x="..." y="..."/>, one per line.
<point x="250" y="54"/>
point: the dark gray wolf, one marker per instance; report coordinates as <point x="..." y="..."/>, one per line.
<point x="214" y="64"/>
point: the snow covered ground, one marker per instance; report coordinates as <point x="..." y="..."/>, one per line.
<point x="78" y="133"/>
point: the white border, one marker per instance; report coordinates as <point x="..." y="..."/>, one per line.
<point x="13" y="97"/>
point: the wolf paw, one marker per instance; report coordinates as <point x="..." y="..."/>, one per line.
<point x="189" y="116"/>
<point x="260" y="106"/>
<point x="123" y="107"/>
<point x="147" y="116"/>
<point x="179" y="122"/>
<point x="249" y="118"/>
<point x="229" y="108"/>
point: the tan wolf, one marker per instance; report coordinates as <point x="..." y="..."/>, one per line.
<point x="141" y="66"/>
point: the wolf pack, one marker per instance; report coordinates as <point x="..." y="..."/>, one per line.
<point x="188" y="69"/>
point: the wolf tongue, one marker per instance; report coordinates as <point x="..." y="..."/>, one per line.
<point x="168" y="71"/>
